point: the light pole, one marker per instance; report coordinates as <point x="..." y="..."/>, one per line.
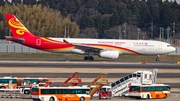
<point x="138" y="33"/>
<point x="56" y="29"/>
<point x="129" y="33"/>
<point x="125" y="30"/>
<point x="168" y="32"/>
<point x="119" y="29"/>
<point x="151" y="29"/>
<point x="173" y="30"/>
<point x="160" y="33"/>
<point x="65" y="32"/>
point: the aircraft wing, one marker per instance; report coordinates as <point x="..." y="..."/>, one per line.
<point x="84" y="47"/>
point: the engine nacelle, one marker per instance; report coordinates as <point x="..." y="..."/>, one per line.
<point x="78" y="51"/>
<point x="109" y="54"/>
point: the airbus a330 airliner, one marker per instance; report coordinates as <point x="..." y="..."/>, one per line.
<point x="105" y="48"/>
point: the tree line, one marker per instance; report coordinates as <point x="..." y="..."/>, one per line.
<point x="40" y="20"/>
<point x="133" y="19"/>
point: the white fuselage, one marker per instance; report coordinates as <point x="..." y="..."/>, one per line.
<point x="141" y="47"/>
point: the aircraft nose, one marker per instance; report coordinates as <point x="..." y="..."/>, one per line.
<point x="173" y="49"/>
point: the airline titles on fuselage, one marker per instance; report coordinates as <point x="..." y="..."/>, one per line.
<point x="121" y="43"/>
<point x="110" y="42"/>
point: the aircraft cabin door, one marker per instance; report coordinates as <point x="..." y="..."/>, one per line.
<point x="127" y="44"/>
<point x="38" y="42"/>
<point x="160" y="46"/>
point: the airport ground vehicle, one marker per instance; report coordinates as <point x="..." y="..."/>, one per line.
<point x="74" y="78"/>
<point x="96" y="88"/>
<point x="149" y="91"/>
<point x="105" y="92"/>
<point x="23" y="91"/>
<point x="60" y="93"/>
<point x="16" y="82"/>
<point x="140" y="77"/>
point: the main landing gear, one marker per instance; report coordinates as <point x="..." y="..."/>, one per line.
<point x="157" y="58"/>
<point x="88" y="58"/>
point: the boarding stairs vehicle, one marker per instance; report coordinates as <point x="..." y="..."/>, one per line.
<point x="102" y="81"/>
<point x="121" y="86"/>
<point x="75" y="80"/>
<point x="96" y="79"/>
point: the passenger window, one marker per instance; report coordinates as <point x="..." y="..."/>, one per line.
<point x="126" y="77"/>
<point x="134" y="75"/>
<point x="122" y="80"/>
<point x="150" y="76"/>
<point x="130" y="76"/>
<point x="117" y="82"/>
<point x="113" y="84"/>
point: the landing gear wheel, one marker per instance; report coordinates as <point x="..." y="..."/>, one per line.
<point x="157" y="59"/>
<point x="91" y="58"/>
<point x="86" y="58"/>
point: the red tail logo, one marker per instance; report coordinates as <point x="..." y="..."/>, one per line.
<point x="16" y="27"/>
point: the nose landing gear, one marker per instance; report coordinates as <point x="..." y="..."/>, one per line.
<point x="157" y="58"/>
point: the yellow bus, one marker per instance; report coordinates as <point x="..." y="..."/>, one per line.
<point x="60" y="93"/>
<point x="149" y="91"/>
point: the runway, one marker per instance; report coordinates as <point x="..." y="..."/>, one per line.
<point x="90" y="64"/>
<point x="83" y="75"/>
<point x="88" y="69"/>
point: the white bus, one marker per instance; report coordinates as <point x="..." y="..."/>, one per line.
<point x="60" y="93"/>
<point x="149" y="91"/>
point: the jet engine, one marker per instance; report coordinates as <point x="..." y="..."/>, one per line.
<point x="109" y="54"/>
<point x="78" y="51"/>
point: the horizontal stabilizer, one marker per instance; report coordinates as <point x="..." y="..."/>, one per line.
<point x="18" y="40"/>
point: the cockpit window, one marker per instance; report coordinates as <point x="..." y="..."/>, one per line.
<point x="168" y="45"/>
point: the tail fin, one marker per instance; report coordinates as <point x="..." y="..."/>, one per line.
<point x="18" y="30"/>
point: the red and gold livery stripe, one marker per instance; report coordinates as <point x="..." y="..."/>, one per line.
<point x="51" y="41"/>
<point x="114" y="48"/>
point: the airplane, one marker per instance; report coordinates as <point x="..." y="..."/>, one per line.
<point x="105" y="48"/>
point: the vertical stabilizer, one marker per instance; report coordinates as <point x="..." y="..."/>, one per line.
<point x="17" y="29"/>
